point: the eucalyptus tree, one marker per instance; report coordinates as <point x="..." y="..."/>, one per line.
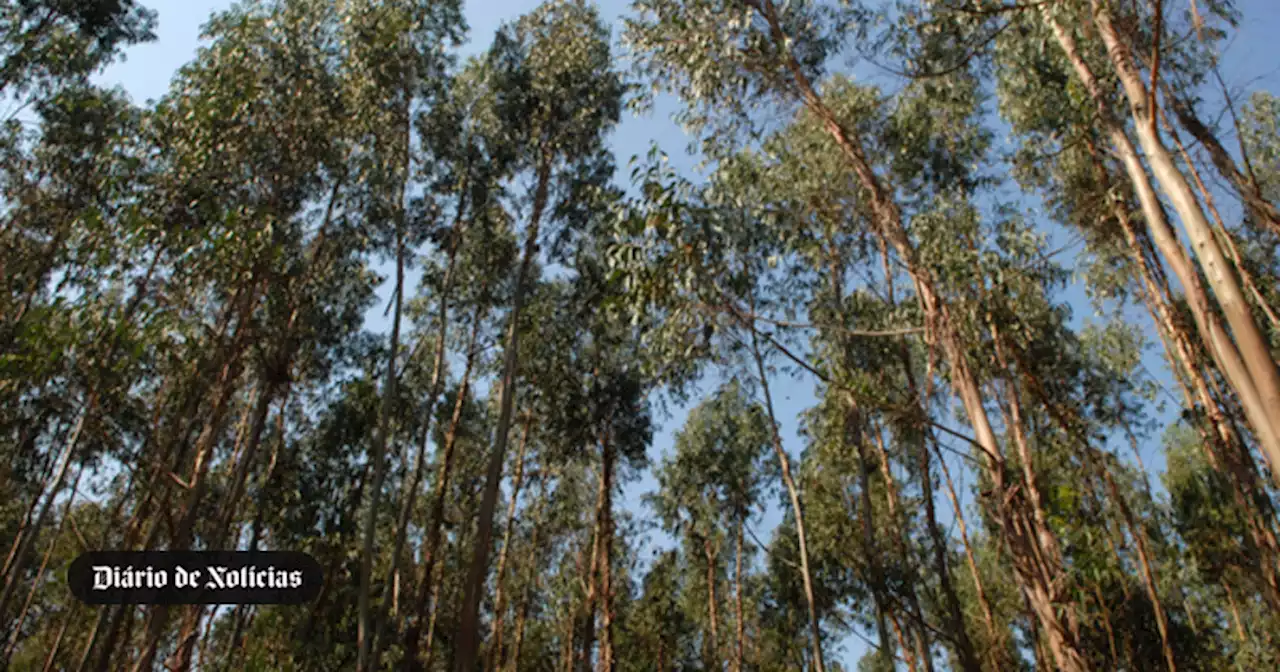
<point x="94" y="312"/>
<point x="1109" y="201"/>
<point x="559" y="97"/>
<point x="724" y="59"/>
<point x="486" y="247"/>
<point x="1243" y="354"/>
<point x="715" y="480"/>
<point x="231" y="176"/>
<point x="45" y="44"/>
<point x="395" y="61"/>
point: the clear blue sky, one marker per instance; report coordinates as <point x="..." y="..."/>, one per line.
<point x="1252" y="62"/>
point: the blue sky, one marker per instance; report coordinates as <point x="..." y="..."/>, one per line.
<point x="1252" y="62"/>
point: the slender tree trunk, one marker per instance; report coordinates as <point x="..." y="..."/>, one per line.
<point x="959" y="632"/>
<point x="28" y="540"/>
<point x="994" y="633"/>
<point x="1182" y="358"/>
<point x="1144" y="561"/>
<point x="737" y="594"/>
<point x="1250" y="369"/>
<point x="607" y="468"/>
<point x="230" y="362"/>
<point x="1220" y="228"/>
<point x="887" y="650"/>
<point x="364" y="633"/>
<point x="1235" y="613"/>
<point x="713" y="643"/>
<point x="468" y="640"/>
<point x="793" y="494"/>
<point x="440" y="496"/>
<point x="499" y="601"/>
<point x="530" y="584"/>
<point x="1106" y="624"/>
<point x="191" y="622"/>
<point x="855" y="435"/>
<point x="436" y="387"/>
<point x="57" y="640"/>
<point x="592" y="584"/>
<point x="44" y="564"/>
<point x="46" y="477"/>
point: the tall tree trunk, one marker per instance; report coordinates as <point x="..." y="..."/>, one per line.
<point x="958" y="631"/>
<point x="230" y="361"/>
<point x="499" y="601"/>
<point x="855" y="435"/>
<point x="1222" y="447"/>
<point x="1149" y="580"/>
<point x="530" y="583"/>
<point x="739" y="626"/>
<point x="607" y="469"/>
<point x="364" y="631"/>
<point x="28" y="540"/>
<point x="435" y="388"/>
<point x="713" y="619"/>
<point x="468" y="639"/>
<point x="440" y="495"/>
<point x="997" y="635"/>
<point x="57" y="640"/>
<point x="591" y="583"/>
<point x="44" y="564"/>
<point x="793" y="494"/>
<point x="1249" y="368"/>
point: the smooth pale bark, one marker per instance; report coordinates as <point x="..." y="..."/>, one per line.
<point x="1221" y="445"/>
<point x="1220" y="228"/>
<point x="468" y="638"/>
<point x="1255" y="377"/>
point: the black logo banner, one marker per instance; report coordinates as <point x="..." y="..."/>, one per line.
<point x="195" y="577"/>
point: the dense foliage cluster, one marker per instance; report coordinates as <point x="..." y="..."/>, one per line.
<point x="987" y="482"/>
